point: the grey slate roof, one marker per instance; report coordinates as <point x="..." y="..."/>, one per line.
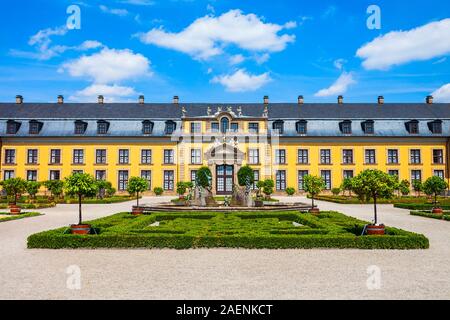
<point x="276" y="110"/>
<point x="126" y="118"/>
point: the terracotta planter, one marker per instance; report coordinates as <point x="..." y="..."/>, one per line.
<point x="314" y="211"/>
<point x="137" y="211"/>
<point x="375" y="230"/>
<point x="80" y="228"/>
<point x="14" y="209"/>
<point x="437" y="211"/>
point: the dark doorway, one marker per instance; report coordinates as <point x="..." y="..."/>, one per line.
<point x="224" y="179"/>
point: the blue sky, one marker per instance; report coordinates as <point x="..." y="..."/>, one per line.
<point x="225" y="51"/>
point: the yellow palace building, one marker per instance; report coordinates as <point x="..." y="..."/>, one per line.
<point x="168" y="142"/>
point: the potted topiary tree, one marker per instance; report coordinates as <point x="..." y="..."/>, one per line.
<point x="347" y="186"/>
<point x="404" y="187"/>
<point x="313" y="185"/>
<point x="203" y="180"/>
<point x="80" y="185"/>
<point x="268" y="188"/>
<point x="181" y="190"/>
<point x="55" y="187"/>
<point x="135" y="186"/>
<point x="435" y="186"/>
<point x="374" y="184"/>
<point x="32" y="188"/>
<point x="259" y="201"/>
<point x="246" y="178"/>
<point x="418" y="187"/>
<point x="13" y="188"/>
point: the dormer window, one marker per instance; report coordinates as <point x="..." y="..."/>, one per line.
<point x="80" y="127"/>
<point x="102" y="127"/>
<point x="302" y="127"/>
<point x="346" y="127"/>
<point x="368" y="127"/>
<point x="12" y="127"/>
<point x="278" y="127"/>
<point x="412" y="127"/>
<point x="35" y="127"/>
<point x="147" y="127"/>
<point x="435" y="126"/>
<point x="170" y="127"/>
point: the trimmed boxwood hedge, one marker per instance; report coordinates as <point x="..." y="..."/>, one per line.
<point x="428" y="214"/>
<point x="232" y="230"/>
<point x="419" y="206"/>
<point x="18" y="216"/>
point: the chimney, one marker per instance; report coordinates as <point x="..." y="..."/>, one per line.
<point x="60" y="99"/>
<point x="176" y="99"/>
<point x="19" y="99"/>
<point x="340" y="100"/>
<point x="429" y="100"/>
<point x="380" y="100"/>
<point x="266" y="99"/>
<point x="141" y="99"/>
<point x="300" y="100"/>
<point x="100" y="99"/>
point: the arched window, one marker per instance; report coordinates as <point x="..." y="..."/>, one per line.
<point x="224" y="124"/>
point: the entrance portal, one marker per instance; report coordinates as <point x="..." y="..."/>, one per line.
<point x="224" y="179"/>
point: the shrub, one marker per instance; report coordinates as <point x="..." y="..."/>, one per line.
<point x="55" y="187"/>
<point x="32" y="188"/>
<point x="290" y="191"/>
<point x="137" y="185"/>
<point x="347" y="186"/>
<point x="158" y="191"/>
<point x="245" y="177"/>
<point x="404" y="187"/>
<point x="105" y="188"/>
<point x="336" y="191"/>
<point x="204" y="178"/>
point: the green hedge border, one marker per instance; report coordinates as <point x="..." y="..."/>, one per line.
<point x="419" y="206"/>
<point x="119" y="237"/>
<point x="427" y="214"/>
<point x="19" y="216"/>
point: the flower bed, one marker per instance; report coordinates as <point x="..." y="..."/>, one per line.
<point x="275" y="230"/>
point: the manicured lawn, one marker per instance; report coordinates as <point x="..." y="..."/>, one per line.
<point x="10" y="217"/>
<point x="274" y="230"/>
<point x="429" y="214"/>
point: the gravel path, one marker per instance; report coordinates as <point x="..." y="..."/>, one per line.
<point x="223" y="273"/>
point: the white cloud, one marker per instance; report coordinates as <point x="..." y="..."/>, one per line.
<point x="42" y="41"/>
<point x="236" y="59"/>
<point x="340" y="86"/>
<point x="339" y="63"/>
<point x="442" y="94"/>
<point x="138" y="2"/>
<point x="400" y="47"/>
<point x="241" y="81"/>
<point x="207" y="36"/>
<point x="117" y="12"/>
<point x="262" y="58"/>
<point x="109" y="66"/>
<point x="111" y="93"/>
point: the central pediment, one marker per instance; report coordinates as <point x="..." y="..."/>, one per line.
<point x="224" y="154"/>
